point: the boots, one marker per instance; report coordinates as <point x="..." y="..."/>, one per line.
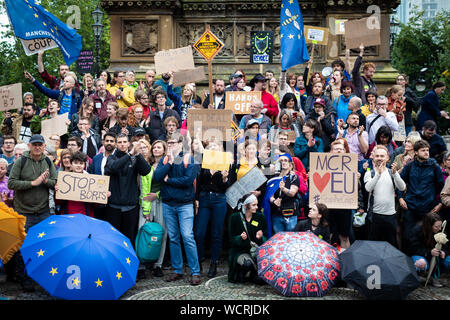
<point x="212" y="269"/>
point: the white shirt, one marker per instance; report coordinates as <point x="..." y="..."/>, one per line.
<point x="383" y="191"/>
<point x="390" y="120"/>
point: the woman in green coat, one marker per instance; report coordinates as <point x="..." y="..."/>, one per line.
<point x="241" y="266"/>
<point x="151" y="204"/>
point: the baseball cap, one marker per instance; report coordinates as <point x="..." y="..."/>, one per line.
<point x="251" y="122"/>
<point x="320" y="101"/>
<point x="37" y="138"/>
<point x="139" y="131"/>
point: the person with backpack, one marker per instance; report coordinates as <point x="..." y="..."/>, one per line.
<point x="424" y="181"/>
<point x="32" y="177"/>
<point x="177" y="173"/>
<point x="381" y="183"/>
<point x="150" y="198"/>
<point x="68" y="98"/>
<point x="380" y="117"/>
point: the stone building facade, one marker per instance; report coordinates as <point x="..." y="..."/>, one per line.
<point x="141" y="28"/>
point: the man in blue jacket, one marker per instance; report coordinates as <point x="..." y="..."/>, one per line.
<point x="178" y="172"/>
<point x="67" y="97"/>
<point x="430" y="106"/>
<point x="424" y="181"/>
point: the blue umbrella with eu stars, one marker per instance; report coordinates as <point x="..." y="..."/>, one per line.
<point x="77" y="257"/>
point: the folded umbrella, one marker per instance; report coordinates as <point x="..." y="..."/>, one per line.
<point x="378" y="270"/>
<point x="12" y="232"/>
<point x="298" y="264"/>
<point x="77" y="257"/>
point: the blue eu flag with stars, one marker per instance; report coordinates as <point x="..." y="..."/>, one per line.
<point x="31" y="21"/>
<point x="292" y="36"/>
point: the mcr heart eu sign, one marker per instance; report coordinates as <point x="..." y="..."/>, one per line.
<point x="333" y="180"/>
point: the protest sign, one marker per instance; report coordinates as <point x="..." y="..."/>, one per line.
<point x="85" y="62"/>
<point x="261" y="47"/>
<point x="239" y="101"/>
<point x="37" y="45"/>
<point x="340" y="26"/>
<point x="363" y="32"/>
<point x="11" y="97"/>
<point x="216" y="160"/>
<point x="54" y="126"/>
<point x="251" y="181"/>
<point x="82" y="187"/>
<point x="210" y="124"/>
<point x="188" y="76"/>
<point x="400" y="134"/>
<point x="174" y="60"/>
<point x="334" y="180"/>
<point x="316" y="35"/>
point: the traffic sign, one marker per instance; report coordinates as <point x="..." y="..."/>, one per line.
<point x="208" y="45"/>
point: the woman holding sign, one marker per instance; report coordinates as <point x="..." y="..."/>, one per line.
<point x="211" y="207"/>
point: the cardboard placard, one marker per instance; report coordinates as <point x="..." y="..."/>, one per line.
<point x="85" y="62"/>
<point x="174" y="60"/>
<point x="261" y="47"/>
<point x="239" y="101"/>
<point x="82" y="187"/>
<point x="210" y="124"/>
<point x="340" y="26"/>
<point x="56" y="125"/>
<point x="251" y="181"/>
<point x="400" y="134"/>
<point x="361" y="31"/>
<point x="333" y="180"/>
<point x="187" y="76"/>
<point x="292" y="136"/>
<point x="216" y="160"/>
<point x="37" y="45"/>
<point x="317" y="35"/>
<point x="11" y="97"/>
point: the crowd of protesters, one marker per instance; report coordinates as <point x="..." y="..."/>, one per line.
<point x="136" y="133"/>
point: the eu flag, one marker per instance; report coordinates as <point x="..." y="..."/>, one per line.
<point x="293" y="45"/>
<point x="31" y="21"/>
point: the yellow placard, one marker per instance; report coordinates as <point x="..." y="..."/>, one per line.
<point x="208" y="45"/>
<point x="216" y="160"/>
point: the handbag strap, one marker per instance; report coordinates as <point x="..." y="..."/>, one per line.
<point x="246" y="231"/>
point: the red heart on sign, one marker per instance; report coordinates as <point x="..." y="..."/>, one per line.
<point x="321" y="182"/>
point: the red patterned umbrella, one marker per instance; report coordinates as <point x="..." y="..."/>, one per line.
<point x="298" y="264"/>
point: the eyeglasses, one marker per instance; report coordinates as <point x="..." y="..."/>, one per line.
<point x="172" y="142"/>
<point x="160" y="97"/>
<point x="8" y="142"/>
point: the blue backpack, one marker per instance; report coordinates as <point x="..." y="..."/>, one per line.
<point x="148" y="242"/>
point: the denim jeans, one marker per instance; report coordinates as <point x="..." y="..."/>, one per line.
<point x="280" y="223"/>
<point x="212" y="207"/>
<point x="180" y="221"/>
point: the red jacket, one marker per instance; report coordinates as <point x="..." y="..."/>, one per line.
<point x="270" y="104"/>
<point x="54" y="83"/>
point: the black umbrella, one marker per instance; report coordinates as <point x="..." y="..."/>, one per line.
<point x="378" y="270"/>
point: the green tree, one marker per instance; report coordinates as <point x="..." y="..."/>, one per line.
<point x="14" y="60"/>
<point x="425" y="43"/>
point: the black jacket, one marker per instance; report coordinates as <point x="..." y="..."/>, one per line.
<point x="156" y="129"/>
<point x="123" y="170"/>
<point x="321" y="231"/>
<point x="415" y="246"/>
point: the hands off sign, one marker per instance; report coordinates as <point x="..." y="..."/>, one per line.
<point x="11" y="97"/>
<point x="333" y="180"/>
<point x="239" y="101"/>
<point x="82" y="187"/>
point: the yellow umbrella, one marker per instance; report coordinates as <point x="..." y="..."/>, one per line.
<point x="12" y="232"/>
